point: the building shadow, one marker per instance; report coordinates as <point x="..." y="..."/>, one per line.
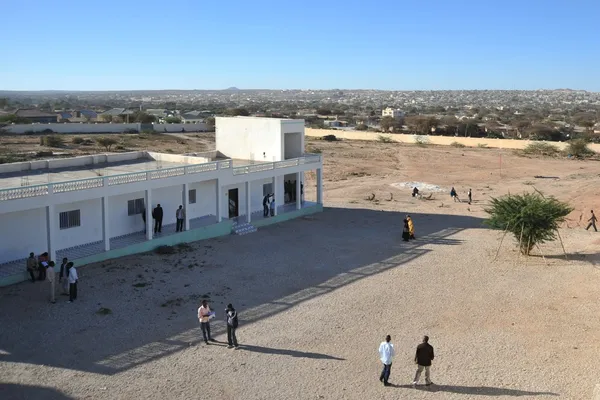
<point x="477" y="390"/>
<point x="287" y="352"/>
<point x="313" y="256"/>
<point x="14" y="391"/>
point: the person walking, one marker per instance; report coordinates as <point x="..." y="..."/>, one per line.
<point x="51" y="278"/>
<point x="204" y="315"/>
<point x="157" y="214"/>
<point x="423" y="359"/>
<point x="411" y="227"/>
<point x="386" y="353"/>
<point x="180" y="216"/>
<point x="470" y="195"/>
<point x="63" y="276"/>
<point x="592" y="221"/>
<point x="232" y="323"/>
<point x="266" y="205"/>
<point x="73" y="280"/>
<point x="32" y="264"/>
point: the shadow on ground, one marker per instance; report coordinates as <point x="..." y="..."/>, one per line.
<point x="270" y="271"/>
<point x="477" y="390"/>
<point x="10" y="391"/>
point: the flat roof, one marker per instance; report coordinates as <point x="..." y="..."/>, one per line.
<point x="44" y="175"/>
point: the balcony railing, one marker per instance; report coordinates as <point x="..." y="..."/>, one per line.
<point x="122" y="179"/>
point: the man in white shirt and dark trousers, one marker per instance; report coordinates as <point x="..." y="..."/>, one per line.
<point x="204" y="314"/>
<point x="180" y="216"/>
<point x="73" y="278"/>
<point x="386" y="353"/>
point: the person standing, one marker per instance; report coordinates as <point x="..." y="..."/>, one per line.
<point x="144" y="218"/>
<point x="32" y="264"/>
<point x="272" y="205"/>
<point x="423" y="359"/>
<point x="592" y="221"/>
<point x="157" y="214"/>
<point x="266" y="205"/>
<point x="204" y="315"/>
<point x="470" y="194"/>
<point x="51" y="278"/>
<point x="42" y="265"/>
<point x="386" y="353"/>
<point x="405" y="230"/>
<point x="63" y="276"/>
<point x="180" y="216"/>
<point x="232" y="323"/>
<point x="411" y="227"/>
<point x="73" y="280"/>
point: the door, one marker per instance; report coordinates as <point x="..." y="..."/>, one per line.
<point x="233" y="203"/>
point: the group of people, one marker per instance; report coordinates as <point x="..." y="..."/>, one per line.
<point x="423" y="358"/>
<point x="454" y="195"/>
<point x="289" y="190"/>
<point x="408" y="231"/>
<point x="205" y="314"/>
<point x="269" y="205"/>
<point x="158" y="214"/>
<point x="46" y="269"/>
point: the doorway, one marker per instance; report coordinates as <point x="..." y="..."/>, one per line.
<point x="234" y="208"/>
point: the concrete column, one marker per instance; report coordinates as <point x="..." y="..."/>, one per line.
<point x="320" y="186"/>
<point x="275" y="194"/>
<point x="248" y="203"/>
<point x="51" y="231"/>
<point x="149" y="220"/>
<point x="298" y="196"/>
<point x="185" y="202"/>
<point x="219" y="201"/>
<point x="105" y="230"/>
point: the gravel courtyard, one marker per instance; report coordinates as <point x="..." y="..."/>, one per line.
<point x="316" y="296"/>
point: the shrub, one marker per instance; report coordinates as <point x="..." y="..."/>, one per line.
<point x="130" y="131"/>
<point x="47" y="131"/>
<point x="384" y="139"/>
<point x="482" y="145"/>
<point x="578" y="148"/>
<point x="329" y="138"/>
<point x="51" y="141"/>
<point x="165" y="250"/>
<point x="106" y="142"/>
<point x="457" y="145"/>
<point x="421" y="140"/>
<point x="77" y="140"/>
<point x="361" y="127"/>
<point x="530" y="217"/>
<point x="541" y="149"/>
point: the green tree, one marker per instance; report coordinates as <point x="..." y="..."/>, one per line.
<point x="421" y="124"/>
<point x="234" y="112"/>
<point x="142" y="117"/>
<point x="210" y="122"/>
<point x="388" y="123"/>
<point x="530" y="217"/>
<point x="173" y="120"/>
<point x="106" y="142"/>
<point x="323" y="111"/>
<point x="13" y="119"/>
<point x="361" y="127"/>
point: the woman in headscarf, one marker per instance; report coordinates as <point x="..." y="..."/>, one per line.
<point x="405" y="231"/>
<point x="411" y="227"/>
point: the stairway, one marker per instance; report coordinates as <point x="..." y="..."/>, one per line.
<point x="243" y="228"/>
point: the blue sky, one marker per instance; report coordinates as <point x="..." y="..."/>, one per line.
<point x="378" y="44"/>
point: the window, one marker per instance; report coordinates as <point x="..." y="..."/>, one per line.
<point x="70" y="219"/>
<point x="135" y="207"/>
<point x="267" y="189"/>
<point x="192" y="196"/>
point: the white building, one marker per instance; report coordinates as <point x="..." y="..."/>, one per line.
<point x="391" y="112"/>
<point x="89" y="208"/>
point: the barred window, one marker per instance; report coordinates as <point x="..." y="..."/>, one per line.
<point x="192" y="196"/>
<point x="135" y="207"/>
<point x="70" y="219"/>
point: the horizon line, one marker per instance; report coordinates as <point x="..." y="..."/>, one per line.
<point x="231" y="89"/>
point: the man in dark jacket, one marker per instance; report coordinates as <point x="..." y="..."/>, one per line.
<point x="232" y="323"/>
<point x="423" y="359"/>
<point x="266" y="205"/>
<point x="157" y="214"/>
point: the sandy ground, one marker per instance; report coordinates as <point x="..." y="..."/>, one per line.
<point x="317" y="295"/>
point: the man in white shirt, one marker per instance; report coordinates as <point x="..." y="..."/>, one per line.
<point x="73" y="278"/>
<point x="204" y="314"/>
<point x="386" y="353"/>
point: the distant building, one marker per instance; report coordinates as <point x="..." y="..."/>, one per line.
<point x="391" y="112"/>
<point x="193" y="117"/>
<point x="335" y="123"/>
<point x="115" y="112"/>
<point x="77" y="116"/>
<point x="36" y="116"/>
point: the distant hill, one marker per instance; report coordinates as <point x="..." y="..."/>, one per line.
<point x="232" y="89"/>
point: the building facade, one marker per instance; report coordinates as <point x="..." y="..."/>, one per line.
<point x="391" y="112"/>
<point x="98" y="207"/>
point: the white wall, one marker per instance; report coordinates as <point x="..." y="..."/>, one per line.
<point x="248" y="138"/>
<point x="101" y="127"/>
<point x="197" y="127"/>
<point x="256" y="190"/>
<point x="206" y="199"/>
<point x="23" y="232"/>
<point x="169" y="198"/>
<point x="119" y="222"/>
<point x="90" y="229"/>
<point x="241" y="199"/>
<point x="293" y="146"/>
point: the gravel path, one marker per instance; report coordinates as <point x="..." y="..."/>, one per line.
<point x="316" y="296"/>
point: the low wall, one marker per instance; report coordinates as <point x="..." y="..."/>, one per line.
<point x="80" y="161"/>
<point x="288" y="215"/>
<point x="101" y="128"/>
<point x="437" y="140"/>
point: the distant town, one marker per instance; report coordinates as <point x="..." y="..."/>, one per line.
<point x="552" y="115"/>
